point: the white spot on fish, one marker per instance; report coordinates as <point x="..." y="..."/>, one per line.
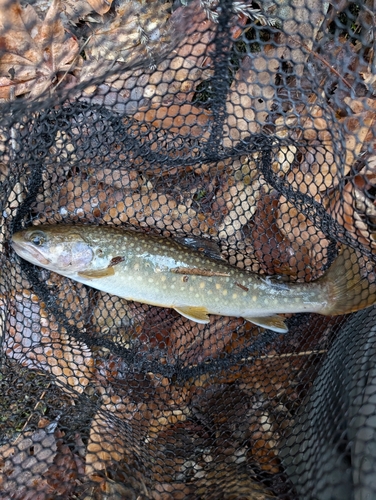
<point x="234" y="295"/>
<point x="202" y="284"/>
<point x="136" y="267"/>
<point x="217" y="286"/>
<point x="224" y="292"/>
<point x="150" y="280"/>
<point x="254" y="298"/>
<point x="163" y="278"/>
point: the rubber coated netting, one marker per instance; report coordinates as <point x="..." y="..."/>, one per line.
<point x="244" y="130"/>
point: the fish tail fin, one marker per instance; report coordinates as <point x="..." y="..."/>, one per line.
<point x="349" y="288"/>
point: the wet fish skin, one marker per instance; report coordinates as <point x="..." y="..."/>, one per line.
<point x="160" y="271"/>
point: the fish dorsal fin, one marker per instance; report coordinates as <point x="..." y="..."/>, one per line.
<point x="197" y="314"/>
<point x="274" y="323"/>
<point x="207" y="247"/>
<point x="97" y="273"/>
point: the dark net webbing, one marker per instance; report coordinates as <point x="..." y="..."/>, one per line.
<point x="244" y="130"/>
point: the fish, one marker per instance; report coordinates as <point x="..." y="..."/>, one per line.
<point x="162" y="272"/>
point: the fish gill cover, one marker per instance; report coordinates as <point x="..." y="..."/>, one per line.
<point x="244" y="131"/>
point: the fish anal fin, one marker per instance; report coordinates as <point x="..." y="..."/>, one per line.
<point x="97" y="273"/>
<point x="274" y="323"/>
<point x="197" y="314"/>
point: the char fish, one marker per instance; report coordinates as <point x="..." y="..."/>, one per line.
<point x="162" y="272"/>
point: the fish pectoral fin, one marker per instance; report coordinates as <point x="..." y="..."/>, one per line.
<point x="274" y="323"/>
<point x="197" y="314"/>
<point x="97" y="273"/>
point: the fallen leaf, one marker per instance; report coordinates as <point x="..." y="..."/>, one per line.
<point x="138" y="33"/>
<point x="33" y="338"/>
<point x="184" y="120"/>
<point x="62" y="474"/>
<point x="175" y="77"/>
<point x="320" y="165"/>
<point x="34" y="53"/>
<point x="106" y="441"/>
<point x="191" y="344"/>
<point x="308" y="247"/>
<point x="354" y="209"/>
<point x="369" y="80"/>
<point x="100" y="6"/>
<point x="24" y="462"/>
<point x="272" y="248"/>
<point x="76" y="10"/>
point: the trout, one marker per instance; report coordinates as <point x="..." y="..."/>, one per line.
<point x="162" y="272"/>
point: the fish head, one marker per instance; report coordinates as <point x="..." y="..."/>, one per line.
<point x="58" y="248"/>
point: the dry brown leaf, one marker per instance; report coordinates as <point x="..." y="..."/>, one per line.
<point x="106" y="443"/>
<point x="175" y="79"/>
<point x="356" y="128"/>
<point x="41" y="345"/>
<point x="249" y="100"/>
<point x="33" y="53"/>
<point x="145" y="35"/>
<point x="76" y="10"/>
<point x="301" y="21"/>
<point x="63" y="473"/>
<point x="308" y="244"/>
<point x="101" y="6"/>
<point x="354" y="210"/>
<point x="239" y="194"/>
<point x="185" y="120"/>
<point x="317" y="168"/>
<point x="321" y="167"/>
<point x="272" y="248"/>
<point x="192" y="344"/>
<point x="369" y="80"/>
<point x="24" y="463"/>
<point x="136" y="32"/>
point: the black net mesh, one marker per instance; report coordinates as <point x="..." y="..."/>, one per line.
<point x="220" y="154"/>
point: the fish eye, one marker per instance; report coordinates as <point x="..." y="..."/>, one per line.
<point x="37" y="238"/>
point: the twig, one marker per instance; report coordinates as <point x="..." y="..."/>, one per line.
<point x="291" y="354"/>
<point x="31" y="414"/>
<point x="73" y="62"/>
<point x="325" y="62"/>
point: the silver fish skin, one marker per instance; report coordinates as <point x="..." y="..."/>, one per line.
<point x="161" y="272"/>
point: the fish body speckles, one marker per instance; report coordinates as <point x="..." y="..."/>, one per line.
<point x="161" y="272"/>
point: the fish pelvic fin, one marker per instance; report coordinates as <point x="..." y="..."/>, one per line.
<point x="349" y="289"/>
<point x="97" y="273"/>
<point x="274" y="323"/>
<point x="197" y="314"/>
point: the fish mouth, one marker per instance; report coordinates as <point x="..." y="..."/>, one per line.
<point x="30" y="253"/>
